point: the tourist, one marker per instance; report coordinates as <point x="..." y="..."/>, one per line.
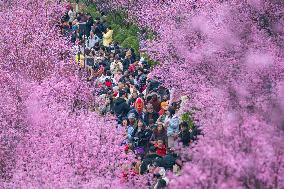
<point x="159" y="134"/>
<point x="160" y="148"/>
<point x="172" y="126"/>
<point x="107" y="37"/>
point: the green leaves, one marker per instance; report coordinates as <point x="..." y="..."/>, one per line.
<point x="93" y="11"/>
<point x="186" y="117"/>
<point x="131" y="42"/>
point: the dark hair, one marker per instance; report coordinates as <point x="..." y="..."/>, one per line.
<point x="184" y="124"/>
<point x="103" y="48"/>
<point x="141" y="120"/>
<point x="152" y="149"/>
<point x="149" y="98"/>
<point x="141" y="69"/>
<point x="161" y="183"/>
<point x="121" y="93"/>
<point x="151" y="121"/>
<point x="156" y="132"/>
<point x="171" y="110"/>
<point x="87" y="52"/>
<point x="108" y="73"/>
<point x="125" y="118"/>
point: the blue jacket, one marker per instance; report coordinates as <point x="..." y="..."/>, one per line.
<point x="130" y="133"/>
<point x="173" y="127"/>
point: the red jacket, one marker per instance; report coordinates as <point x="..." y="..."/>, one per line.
<point x="161" y="151"/>
<point x="132" y="68"/>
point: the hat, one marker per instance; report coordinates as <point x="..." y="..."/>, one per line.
<point x="165" y="105"/>
<point x="108" y="84"/>
<point x="139" y="105"/>
<point x="131" y="115"/>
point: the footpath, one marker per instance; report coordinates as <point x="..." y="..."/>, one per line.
<point x="142" y="106"/>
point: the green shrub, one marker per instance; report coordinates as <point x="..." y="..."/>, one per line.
<point x="131" y="42"/>
<point x="187" y="117"/>
<point x="93" y="11"/>
<point x="119" y="36"/>
<point x="115" y="27"/>
<point x="116" y="18"/>
<point x="133" y="30"/>
<point x="124" y="34"/>
<point x="150" y="61"/>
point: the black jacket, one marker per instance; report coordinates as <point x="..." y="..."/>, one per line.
<point x="185" y="137"/>
<point x="89" y="25"/>
<point x="149" y="116"/>
<point x="169" y="161"/>
<point x="126" y="62"/>
<point x="98" y="30"/>
<point x="149" y="159"/>
<point x="120" y="107"/>
<point x="142" y="137"/>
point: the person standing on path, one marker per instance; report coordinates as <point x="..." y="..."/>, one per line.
<point x="107" y="37"/>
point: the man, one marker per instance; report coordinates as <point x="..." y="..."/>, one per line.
<point x="162" y="181"/>
<point x="169" y="160"/>
<point x="185" y="135"/>
<point x="98" y="28"/>
<point x="141" y="80"/>
<point x="89" y="25"/>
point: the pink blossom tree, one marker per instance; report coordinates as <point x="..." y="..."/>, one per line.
<point x="227" y="56"/>
<point x="49" y="138"/>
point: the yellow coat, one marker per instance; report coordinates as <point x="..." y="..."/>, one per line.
<point x="107" y="38"/>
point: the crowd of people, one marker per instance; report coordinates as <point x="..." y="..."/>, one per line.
<point x="141" y="105"/>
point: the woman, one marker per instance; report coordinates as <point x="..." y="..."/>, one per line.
<point x="124" y="122"/>
<point x="71" y="14"/>
<point x="107" y="37"/>
<point x="92" y="40"/>
<point x="141" y="137"/>
<point x="172" y="125"/>
<point x="107" y="106"/>
<point x="159" y="134"/>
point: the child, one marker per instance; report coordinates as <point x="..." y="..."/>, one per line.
<point x="160" y="148"/>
